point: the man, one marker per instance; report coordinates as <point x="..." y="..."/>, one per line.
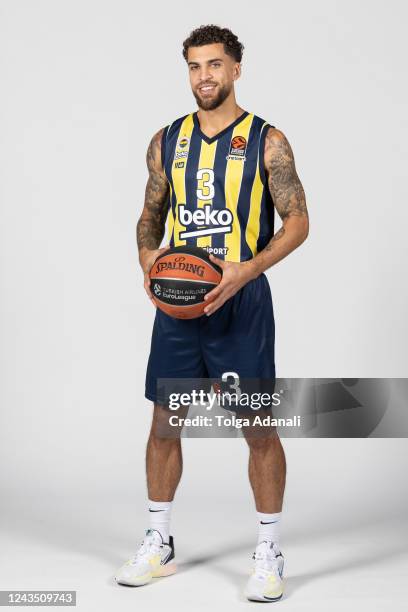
<point x="220" y="158"/>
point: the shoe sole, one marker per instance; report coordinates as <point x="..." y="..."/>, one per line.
<point x="255" y="597"/>
<point x="263" y="598"/>
<point x="164" y="570"/>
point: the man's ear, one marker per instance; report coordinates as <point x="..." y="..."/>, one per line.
<point x="237" y="71"/>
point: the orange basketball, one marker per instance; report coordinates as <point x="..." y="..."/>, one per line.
<point x="179" y="280"/>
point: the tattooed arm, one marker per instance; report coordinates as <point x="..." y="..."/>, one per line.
<point x="150" y="227"/>
<point x="289" y="200"/>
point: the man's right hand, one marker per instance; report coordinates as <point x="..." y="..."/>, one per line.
<point x="147" y="258"/>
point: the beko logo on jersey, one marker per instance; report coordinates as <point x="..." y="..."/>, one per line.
<point x="206" y="219"/>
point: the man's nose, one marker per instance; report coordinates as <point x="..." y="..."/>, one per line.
<point x="205" y="74"/>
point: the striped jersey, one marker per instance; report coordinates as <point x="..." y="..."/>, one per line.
<point x="219" y="197"/>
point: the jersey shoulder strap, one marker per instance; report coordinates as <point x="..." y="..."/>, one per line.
<point x="262" y="136"/>
<point x="169" y="132"/>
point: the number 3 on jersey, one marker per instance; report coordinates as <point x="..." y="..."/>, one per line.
<point x="205" y="180"/>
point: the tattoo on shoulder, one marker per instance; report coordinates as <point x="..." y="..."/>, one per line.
<point x="150" y="227"/>
<point x="284" y="184"/>
<point x="154" y="150"/>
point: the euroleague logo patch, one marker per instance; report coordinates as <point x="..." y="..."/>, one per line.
<point x="237" y="148"/>
<point x="182" y="148"/>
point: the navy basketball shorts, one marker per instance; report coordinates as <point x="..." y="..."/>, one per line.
<point x="239" y="337"/>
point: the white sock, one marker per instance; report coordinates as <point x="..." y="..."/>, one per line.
<point x="159" y="517"/>
<point x="269" y="527"/>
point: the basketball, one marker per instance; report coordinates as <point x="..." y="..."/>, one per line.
<point x="179" y="280"/>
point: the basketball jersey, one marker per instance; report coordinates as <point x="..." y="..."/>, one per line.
<point x="219" y="198"/>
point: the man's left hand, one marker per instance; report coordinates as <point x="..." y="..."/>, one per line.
<point x="234" y="277"/>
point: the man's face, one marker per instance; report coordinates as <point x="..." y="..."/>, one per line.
<point x="212" y="74"/>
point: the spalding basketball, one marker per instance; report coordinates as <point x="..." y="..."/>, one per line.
<point x="179" y="280"/>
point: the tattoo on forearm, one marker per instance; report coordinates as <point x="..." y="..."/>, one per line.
<point x="284" y="184"/>
<point x="275" y="238"/>
<point x="150" y="227"/>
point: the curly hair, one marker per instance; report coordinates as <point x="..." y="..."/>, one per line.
<point x="210" y="34"/>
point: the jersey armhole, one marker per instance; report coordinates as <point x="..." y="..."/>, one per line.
<point x="163" y="147"/>
<point x="262" y="172"/>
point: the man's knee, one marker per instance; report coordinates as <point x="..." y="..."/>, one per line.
<point x="162" y="431"/>
<point x="262" y="445"/>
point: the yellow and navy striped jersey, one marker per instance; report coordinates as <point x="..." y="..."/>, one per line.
<point x="219" y="197"/>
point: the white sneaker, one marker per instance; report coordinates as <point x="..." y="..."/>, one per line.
<point x="153" y="560"/>
<point x="266" y="580"/>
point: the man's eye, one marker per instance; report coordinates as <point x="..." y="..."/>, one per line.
<point x="217" y="65"/>
<point x="193" y="67"/>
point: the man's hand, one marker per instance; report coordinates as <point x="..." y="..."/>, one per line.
<point x="147" y="257"/>
<point x="234" y="276"/>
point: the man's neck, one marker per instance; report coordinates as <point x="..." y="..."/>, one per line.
<point x="212" y="122"/>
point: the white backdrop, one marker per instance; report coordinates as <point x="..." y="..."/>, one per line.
<point x="85" y="84"/>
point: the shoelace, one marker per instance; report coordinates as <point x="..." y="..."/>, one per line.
<point x="148" y="546"/>
<point x="265" y="563"/>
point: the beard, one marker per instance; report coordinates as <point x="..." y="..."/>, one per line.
<point x="208" y="104"/>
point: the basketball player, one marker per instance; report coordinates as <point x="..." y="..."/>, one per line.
<point x="228" y="162"/>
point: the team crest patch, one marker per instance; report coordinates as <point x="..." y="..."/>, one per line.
<point x="237" y="148"/>
<point x="182" y="148"/>
<point x="183" y="142"/>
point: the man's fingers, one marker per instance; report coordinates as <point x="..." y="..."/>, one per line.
<point x="147" y="285"/>
<point x="148" y="262"/>
<point x="216" y="291"/>
<point x="219" y="262"/>
<point x="215" y="305"/>
<point x="213" y="294"/>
